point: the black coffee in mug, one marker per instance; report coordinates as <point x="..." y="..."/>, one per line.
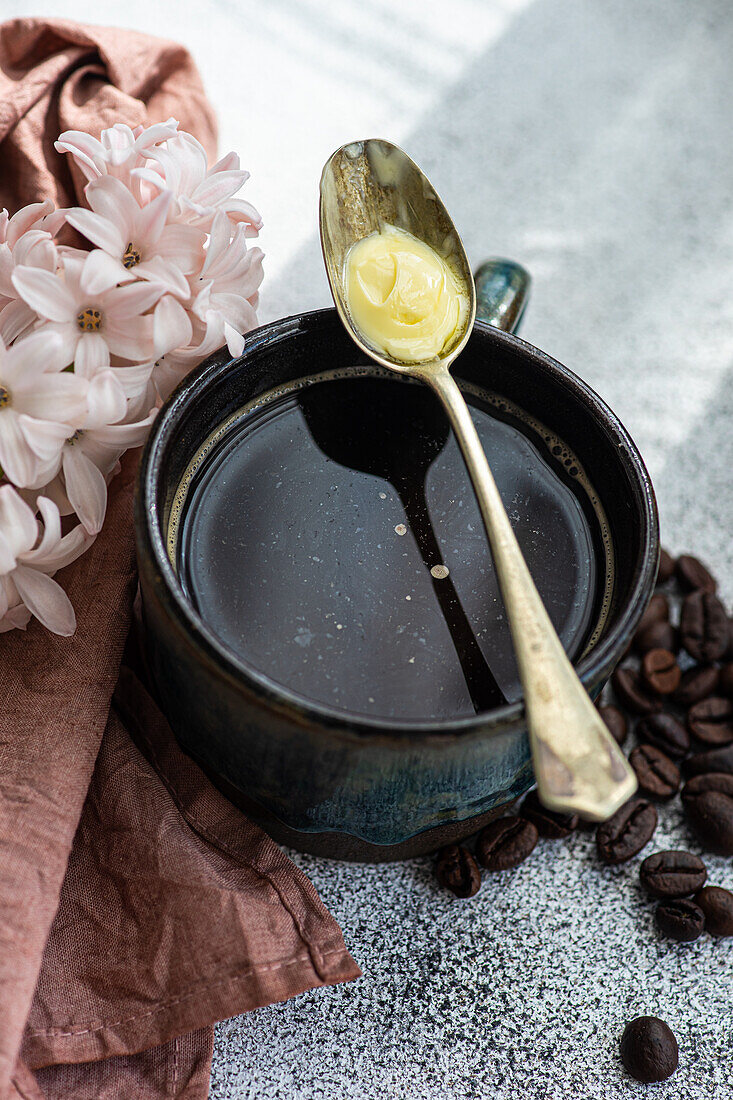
<point x="328" y="533"/>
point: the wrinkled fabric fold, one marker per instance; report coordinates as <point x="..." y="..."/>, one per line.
<point x="135" y="910"/>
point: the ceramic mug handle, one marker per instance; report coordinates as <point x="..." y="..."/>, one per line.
<point x="502" y="292"/>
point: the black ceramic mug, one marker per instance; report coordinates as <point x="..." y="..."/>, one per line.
<point x="314" y="775"/>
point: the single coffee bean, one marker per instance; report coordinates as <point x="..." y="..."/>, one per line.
<point x="649" y="1049"/>
<point x="627" y="832"/>
<point x="506" y="843"/>
<point x="672" y="874"/>
<point x="715" y="760"/>
<point x="616" y="721"/>
<point x="725" y="685"/>
<point x="696" y="684"/>
<point x="632" y="693"/>
<point x="717" y="905"/>
<point x="458" y="871"/>
<point x="704" y="627"/>
<point x="660" y="671"/>
<point x="680" y="919"/>
<point x="710" y="814"/>
<point x="658" y="776"/>
<point x="711" y="781"/>
<point x="693" y="575"/>
<point x="657" y="610"/>
<point x="661" y="635"/>
<point x="666" y="567"/>
<point x="550" y="825"/>
<point x="711" y="720"/>
<point x="666" y="733"/>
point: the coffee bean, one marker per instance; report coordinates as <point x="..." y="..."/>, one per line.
<point x="717" y="905"/>
<point x="649" y="1049"/>
<point x="616" y="721"/>
<point x="632" y="693"/>
<point x="666" y="567"/>
<point x="710" y="813"/>
<point x="506" y="843"/>
<point x="715" y="760"/>
<point x="549" y="824"/>
<point x="627" y="832"/>
<point x="680" y="919"/>
<point x="710" y="781"/>
<point x="696" y="684"/>
<point x="704" y="627"/>
<point x="661" y="635"/>
<point x="693" y="575"/>
<point x="657" y="610"/>
<point x="711" y="720"/>
<point x="458" y="871"/>
<point x="660" y="671"/>
<point x="672" y="874"/>
<point x="658" y="776"/>
<point x="666" y="733"/>
<point x="725" y="686"/>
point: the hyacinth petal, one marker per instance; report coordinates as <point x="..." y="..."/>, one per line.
<point x="171" y="326"/>
<point x="112" y="201"/>
<point x="39" y="353"/>
<point x="92" y="355"/>
<point x="57" y="397"/>
<point x="85" y="150"/>
<point x="85" y="488"/>
<point x="228" y="163"/>
<point x="239" y="210"/>
<point x="165" y="275"/>
<point x="96" y="229"/>
<point x="101" y="272"/>
<point x="7" y="563"/>
<point x="51" y="531"/>
<point x="17" y="522"/>
<point x="15" y="318"/>
<point x="44" y="437"/>
<point x="16" y="458"/>
<point x="22" y="221"/>
<point x="183" y="245"/>
<point x="134" y="380"/>
<point x="45" y="293"/>
<point x="218" y="187"/>
<point x="106" y="401"/>
<point x="68" y="549"/>
<point x="45" y="599"/>
<point x="151" y="219"/>
<point x="221" y="235"/>
<point x="124" y="436"/>
<point x="129" y="301"/>
<point x="234" y="339"/>
<point x="133" y="342"/>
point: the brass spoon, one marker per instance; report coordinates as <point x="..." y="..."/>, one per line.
<point x="578" y="765"/>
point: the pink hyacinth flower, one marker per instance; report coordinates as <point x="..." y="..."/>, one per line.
<point x="117" y="151"/>
<point x="38" y="404"/>
<point x="26" y="568"/>
<point x="228" y="283"/>
<point x="94" y="317"/>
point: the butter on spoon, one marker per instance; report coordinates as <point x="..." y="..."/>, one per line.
<point x="367" y="188"/>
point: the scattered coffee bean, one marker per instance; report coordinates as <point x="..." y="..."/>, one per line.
<point x="616" y="721"/>
<point x="711" y="720"/>
<point x="715" y="760"/>
<point x="726" y="680"/>
<point x="680" y="919"/>
<point x="550" y="825"/>
<point x="710" y="781"/>
<point x="696" y="684"/>
<point x="632" y="693"/>
<point x="672" y="874"/>
<point x="627" y="832"/>
<point x="458" y="871"/>
<point x="660" y="671"/>
<point x="666" y="733"/>
<point x="649" y="1049"/>
<point x="666" y="567"/>
<point x="704" y="627"/>
<point x="658" y="776"/>
<point x="717" y="905"/>
<point x="710" y="813"/>
<point x="661" y="635"/>
<point x="692" y="575"/>
<point x="506" y="842"/>
<point x="657" y="610"/>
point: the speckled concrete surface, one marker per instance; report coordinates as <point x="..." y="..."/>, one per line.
<point x="592" y="141"/>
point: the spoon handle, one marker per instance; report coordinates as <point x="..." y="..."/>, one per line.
<point x="578" y="765"/>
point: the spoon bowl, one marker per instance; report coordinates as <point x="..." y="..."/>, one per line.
<point x="369" y="184"/>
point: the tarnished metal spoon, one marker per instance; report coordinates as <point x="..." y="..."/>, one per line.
<point x="579" y="767"/>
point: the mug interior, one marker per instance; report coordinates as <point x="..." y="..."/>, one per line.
<point x="312" y="343"/>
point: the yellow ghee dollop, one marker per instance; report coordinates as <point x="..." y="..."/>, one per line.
<point x="402" y="295"/>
